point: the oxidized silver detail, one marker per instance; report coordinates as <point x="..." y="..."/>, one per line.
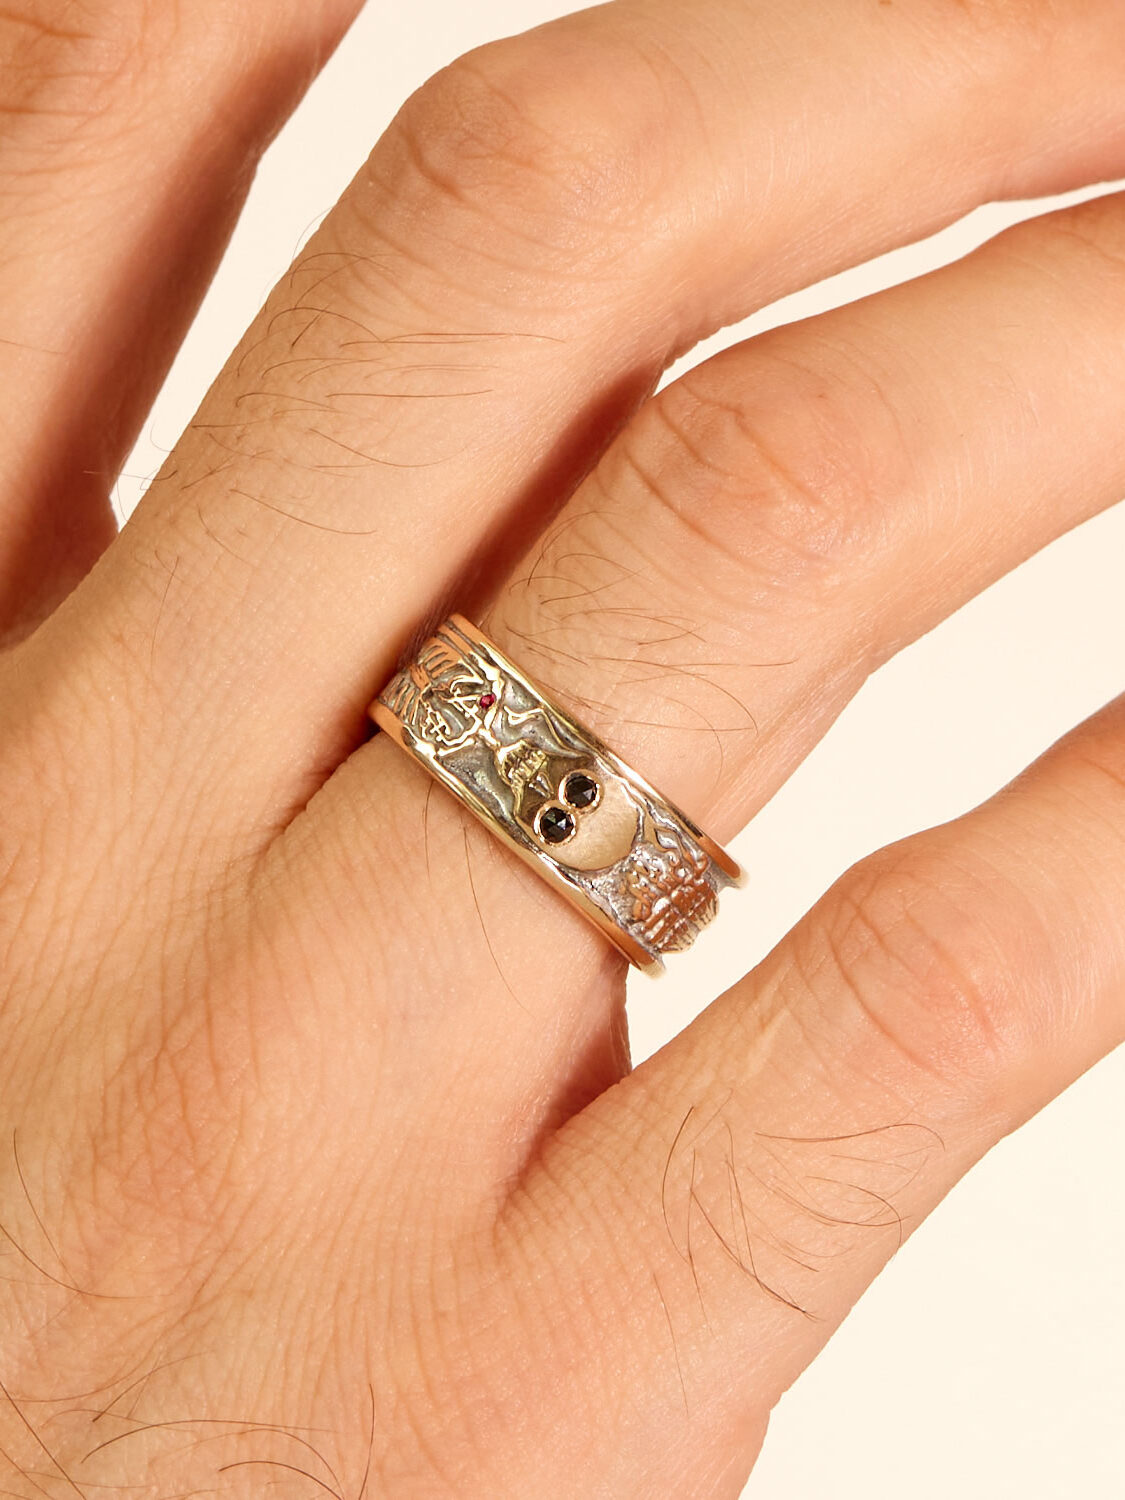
<point x="493" y="738"/>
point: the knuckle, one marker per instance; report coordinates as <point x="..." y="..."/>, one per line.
<point x="923" y="946"/>
<point x="71" y="66"/>
<point x="757" y="461"/>
<point x="548" y="139"/>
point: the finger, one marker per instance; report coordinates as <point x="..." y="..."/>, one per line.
<point x="764" y="533"/>
<point x="785" y="517"/>
<point x="498" y="288"/>
<point x="130" y="135"/>
<point x="738" y="1192"/>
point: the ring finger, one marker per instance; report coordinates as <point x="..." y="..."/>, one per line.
<point x="766" y="531"/>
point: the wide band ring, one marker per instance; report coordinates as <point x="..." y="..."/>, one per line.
<point x="631" y="863"/>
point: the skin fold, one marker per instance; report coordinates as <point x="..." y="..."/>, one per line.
<point x="314" y="1173"/>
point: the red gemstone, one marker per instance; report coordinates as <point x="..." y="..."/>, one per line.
<point x="487" y="700"/>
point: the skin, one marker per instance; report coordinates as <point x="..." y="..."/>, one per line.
<point x="313" y="1175"/>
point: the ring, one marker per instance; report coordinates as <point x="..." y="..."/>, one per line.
<point x="630" y="862"/>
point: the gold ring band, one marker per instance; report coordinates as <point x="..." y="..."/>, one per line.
<point x="630" y="862"/>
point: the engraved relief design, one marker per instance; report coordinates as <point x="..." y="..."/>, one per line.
<point x="629" y="855"/>
<point x="668" y="895"/>
<point x="446" y="696"/>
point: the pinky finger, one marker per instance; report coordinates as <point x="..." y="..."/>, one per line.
<point x="744" y="1186"/>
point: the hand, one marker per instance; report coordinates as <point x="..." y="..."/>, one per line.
<point x="323" y="1166"/>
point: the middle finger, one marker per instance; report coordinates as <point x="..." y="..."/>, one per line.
<point x="545" y="226"/>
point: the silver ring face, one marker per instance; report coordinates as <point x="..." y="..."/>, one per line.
<point x="561" y="799"/>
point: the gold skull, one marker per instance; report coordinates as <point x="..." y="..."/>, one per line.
<point x="588" y="823"/>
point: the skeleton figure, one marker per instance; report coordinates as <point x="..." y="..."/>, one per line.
<point x="455" y="702"/>
<point x="447" y="697"/>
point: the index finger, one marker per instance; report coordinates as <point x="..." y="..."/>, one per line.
<point x="545" y="226"/>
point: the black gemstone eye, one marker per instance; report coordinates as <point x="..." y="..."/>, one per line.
<point x="555" y="825"/>
<point x="580" y="790"/>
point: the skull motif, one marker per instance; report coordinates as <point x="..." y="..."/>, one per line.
<point x="587" y="820"/>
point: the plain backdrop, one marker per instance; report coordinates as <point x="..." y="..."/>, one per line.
<point x="987" y="1361"/>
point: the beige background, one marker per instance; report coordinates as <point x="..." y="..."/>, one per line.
<point x="988" y="1360"/>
